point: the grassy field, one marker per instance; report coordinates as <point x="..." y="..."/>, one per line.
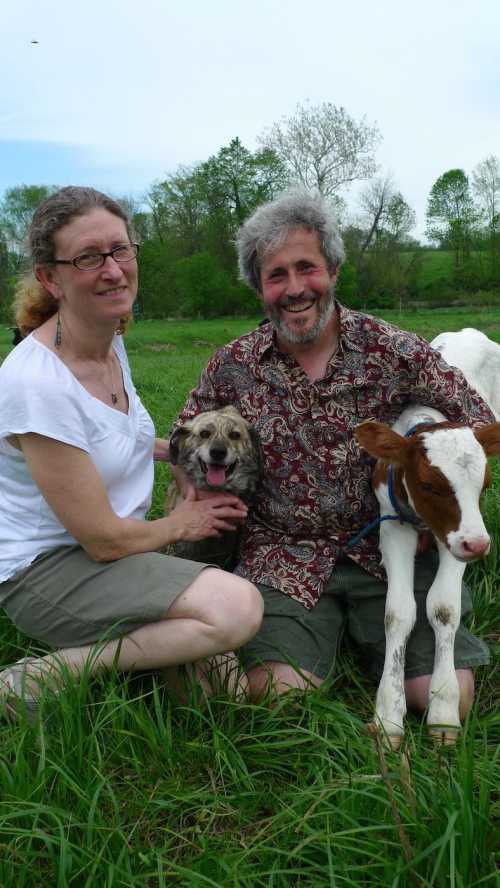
<point x="125" y="788"/>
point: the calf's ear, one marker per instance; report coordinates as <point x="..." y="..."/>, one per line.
<point x="382" y="442"/>
<point x="489" y="438"/>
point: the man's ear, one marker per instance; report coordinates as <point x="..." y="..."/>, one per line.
<point x="46" y="275"/>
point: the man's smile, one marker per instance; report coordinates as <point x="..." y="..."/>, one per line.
<point x="297" y="307"/>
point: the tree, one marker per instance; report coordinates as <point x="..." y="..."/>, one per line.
<point x="233" y="183"/>
<point x="385" y="270"/>
<point x="451" y="215"/>
<point x="486" y="185"/>
<point x="322" y="147"/>
<point x="199" y="209"/>
<point x="6" y="282"/>
<point x="16" y="211"/>
<point x="178" y="209"/>
<point x="386" y="215"/>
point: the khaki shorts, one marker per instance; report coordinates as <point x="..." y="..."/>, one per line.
<point x="64" y="598"/>
<point x="353" y="602"/>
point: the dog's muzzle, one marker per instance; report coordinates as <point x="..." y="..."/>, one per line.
<point x="216" y="472"/>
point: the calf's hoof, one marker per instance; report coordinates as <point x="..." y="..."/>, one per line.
<point x="444" y="735"/>
<point x="390" y="741"/>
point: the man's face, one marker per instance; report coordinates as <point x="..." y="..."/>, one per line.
<point x="297" y="288"/>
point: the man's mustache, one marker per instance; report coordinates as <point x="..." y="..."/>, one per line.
<point x="297" y="299"/>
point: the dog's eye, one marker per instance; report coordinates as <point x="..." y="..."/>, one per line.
<point x="235" y="436"/>
<point x="204" y="433"/>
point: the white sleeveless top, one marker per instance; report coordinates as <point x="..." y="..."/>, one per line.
<point x="38" y="393"/>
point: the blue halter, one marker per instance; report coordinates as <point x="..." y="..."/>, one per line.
<point x="404" y="512"/>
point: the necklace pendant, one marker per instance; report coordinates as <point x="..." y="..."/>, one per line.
<point x="114" y="398"/>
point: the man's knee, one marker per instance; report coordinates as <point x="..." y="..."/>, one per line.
<point x="279" y="678"/>
<point x="417" y="692"/>
<point x="466" y="685"/>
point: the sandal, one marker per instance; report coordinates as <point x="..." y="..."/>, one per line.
<point x="13" y="695"/>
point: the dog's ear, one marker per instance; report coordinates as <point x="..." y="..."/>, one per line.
<point x="173" y="444"/>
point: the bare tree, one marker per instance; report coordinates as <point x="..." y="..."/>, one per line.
<point x="383" y="262"/>
<point x="486" y="186"/>
<point x="385" y="213"/>
<point x="323" y="147"/>
<point x="374" y="201"/>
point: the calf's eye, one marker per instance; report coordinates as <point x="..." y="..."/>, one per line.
<point x="429" y="488"/>
<point x="204" y="433"/>
<point x="235" y="436"/>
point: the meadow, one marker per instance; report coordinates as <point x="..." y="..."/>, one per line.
<point x="123" y="786"/>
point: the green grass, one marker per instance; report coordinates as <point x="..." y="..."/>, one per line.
<point x="125" y="788"/>
<point x="437" y="265"/>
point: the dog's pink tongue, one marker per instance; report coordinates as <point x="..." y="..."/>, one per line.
<point x="216" y="475"/>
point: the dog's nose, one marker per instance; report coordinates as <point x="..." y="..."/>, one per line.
<point x="217" y="453"/>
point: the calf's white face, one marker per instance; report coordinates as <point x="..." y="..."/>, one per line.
<point x="444" y="470"/>
<point x="452" y="507"/>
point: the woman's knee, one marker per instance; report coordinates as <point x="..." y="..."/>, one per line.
<point x="241" y="613"/>
<point x="231" y="605"/>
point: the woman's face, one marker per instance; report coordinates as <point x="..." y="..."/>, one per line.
<point x="103" y="294"/>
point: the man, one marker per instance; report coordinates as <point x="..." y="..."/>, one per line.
<point x="305" y="380"/>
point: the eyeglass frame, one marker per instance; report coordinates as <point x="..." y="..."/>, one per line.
<point x="103" y="256"/>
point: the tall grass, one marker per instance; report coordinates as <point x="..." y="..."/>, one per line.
<point x="121" y="786"/>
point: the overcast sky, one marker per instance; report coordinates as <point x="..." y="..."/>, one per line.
<point x="117" y="93"/>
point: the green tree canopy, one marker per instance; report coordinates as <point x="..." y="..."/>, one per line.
<point x="16" y="211"/>
<point x="451" y="215"/>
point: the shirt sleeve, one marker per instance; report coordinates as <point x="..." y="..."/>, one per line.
<point x="30" y="405"/>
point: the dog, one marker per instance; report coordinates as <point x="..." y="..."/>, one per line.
<point x="219" y="451"/>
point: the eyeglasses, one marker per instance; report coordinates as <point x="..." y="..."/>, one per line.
<point x="90" y="261"/>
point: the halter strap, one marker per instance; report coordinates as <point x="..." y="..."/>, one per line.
<point x="404" y="512"/>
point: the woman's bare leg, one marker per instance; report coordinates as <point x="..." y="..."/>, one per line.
<point x="216" y="613"/>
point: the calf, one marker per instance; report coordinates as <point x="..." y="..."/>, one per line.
<point x="479" y="360"/>
<point x="439" y="471"/>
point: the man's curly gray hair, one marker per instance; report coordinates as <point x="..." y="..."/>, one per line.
<point x="266" y="230"/>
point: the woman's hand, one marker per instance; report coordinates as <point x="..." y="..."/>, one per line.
<point x="196" y="519"/>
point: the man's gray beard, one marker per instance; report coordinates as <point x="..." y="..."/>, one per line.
<point x="296" y="337"/>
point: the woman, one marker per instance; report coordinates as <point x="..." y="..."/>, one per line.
<point x="77" y="559"/>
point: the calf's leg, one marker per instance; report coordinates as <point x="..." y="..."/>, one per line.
<point x="443" y="613"/>
<point x="398" y="545"/>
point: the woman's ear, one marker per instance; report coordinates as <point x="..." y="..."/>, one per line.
<point x="46" y="275"/>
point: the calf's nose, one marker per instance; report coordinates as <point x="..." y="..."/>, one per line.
<point x="476" y="547"/>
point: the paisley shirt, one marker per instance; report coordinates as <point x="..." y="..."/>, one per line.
<point x="316" y="490"/>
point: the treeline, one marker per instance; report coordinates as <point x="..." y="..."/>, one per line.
<point x="187" y="223"/>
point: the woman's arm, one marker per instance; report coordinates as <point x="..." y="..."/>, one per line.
<point x="72" y="487"/>
<point x="162" y="451"/>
